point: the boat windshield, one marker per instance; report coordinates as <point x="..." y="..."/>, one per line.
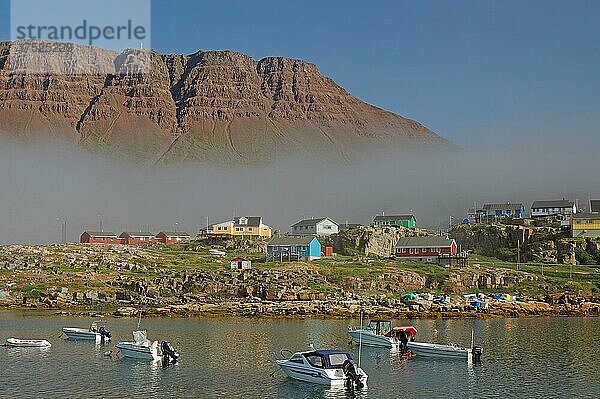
<point x="327" y="359"/>
<point x="379" y="327"/>
<point x="315" y="360"/>
<point x="337" y="360"/>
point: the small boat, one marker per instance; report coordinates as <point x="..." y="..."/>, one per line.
<point x="97" y="332"/>
<point x="379" y="333"/>
<point x="27" y="343"/>
<point x="325" y="367"/>
<point x="439" y="350"/>
<point x="142" y="348"/>
<point x="448" y="351"/>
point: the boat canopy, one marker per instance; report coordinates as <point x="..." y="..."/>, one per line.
<point x="328" y="359"/>
<point x="409" y="330"/>
<point x="141" y="338"/>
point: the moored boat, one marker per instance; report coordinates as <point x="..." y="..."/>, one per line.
<point x="142" y="348"/>
<point x="97" y="332"/>
<point x="325" y="367"/>
<point x="27" y="343"/>
<point x="379" y="333"/>
<point x="447" y="351"/>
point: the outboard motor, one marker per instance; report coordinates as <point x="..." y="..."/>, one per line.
<point x="476" y="352"/>
<point x="104" y="333"/>
<point x="169" y="355"/>
<point x="353" y="379"/>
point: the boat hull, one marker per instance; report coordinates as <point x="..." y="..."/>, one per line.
<point x="435" y="350"/>
<point x="368" y="338"/>
<point x="328" y="377"/>
<point x="133" y="351"/>
<point x="27" y="343"/>
<point x="83" y="334"/>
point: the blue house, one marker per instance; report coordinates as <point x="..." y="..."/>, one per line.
<point x="501" y="211"/>
<point x="294" y="248"/>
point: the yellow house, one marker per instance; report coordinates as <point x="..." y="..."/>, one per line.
<point x="243" y="226"/>
<point x="585" y="225"/>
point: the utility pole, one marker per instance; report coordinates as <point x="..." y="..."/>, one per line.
<point x="518" y="253"/>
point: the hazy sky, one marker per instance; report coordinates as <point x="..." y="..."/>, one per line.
<point x="466" y="69"/>
<point x="514" y="83"/>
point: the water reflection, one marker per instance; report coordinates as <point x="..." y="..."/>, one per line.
<point x="235" y="358"/>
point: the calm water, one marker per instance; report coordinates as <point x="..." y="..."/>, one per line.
<point x="234" y="357"/>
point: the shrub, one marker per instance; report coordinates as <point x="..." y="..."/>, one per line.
<point x="583" y="258"/>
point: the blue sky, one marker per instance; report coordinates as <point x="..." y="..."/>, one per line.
<point x="473" y="71"/>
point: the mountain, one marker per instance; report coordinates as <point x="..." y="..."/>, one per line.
<point x="210" y="106"/>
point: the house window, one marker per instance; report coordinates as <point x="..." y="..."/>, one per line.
<point x="590" y="221"/>
<point x="250" y="229"/>
<point x="412" y="251"/>
<point x="239" y="229"/>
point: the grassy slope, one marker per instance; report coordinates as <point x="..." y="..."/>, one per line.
<point x="162" y="260"/>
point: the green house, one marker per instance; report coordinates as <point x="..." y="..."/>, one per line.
<point x="395" y="221"/>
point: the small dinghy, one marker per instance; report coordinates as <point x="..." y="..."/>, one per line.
<point x="27" y="343"/>
<point x="97" y="332"/>
<point x="325" y="367"/>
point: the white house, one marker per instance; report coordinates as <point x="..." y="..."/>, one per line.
<point x="319" y="227"/>
<point x="240" y="264"/>
<point x="552" y="208"/>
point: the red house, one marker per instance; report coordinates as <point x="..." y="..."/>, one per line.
<point x="172" y="237"/>
<point x="131" y="238"/>
<point x="93" y="237"/>
<point x="426" y="249"/>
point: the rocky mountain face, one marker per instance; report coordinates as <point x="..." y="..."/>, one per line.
<point x="209" y="106"/>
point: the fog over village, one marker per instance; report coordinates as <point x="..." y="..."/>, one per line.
<point x="47" y="184"/>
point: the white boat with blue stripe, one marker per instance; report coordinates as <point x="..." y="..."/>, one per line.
<point x="325" y="367"/>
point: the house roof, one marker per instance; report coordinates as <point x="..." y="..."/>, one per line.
<point x="253" y="221"/>
<point x="238" y="259"/>
<point x="593" y="216"/>
<point x="430" y="241"/>
<point x="291" y="240"/>
<point x="175" y="234"/>
<point x="594" y="206"/>
<point x="552" y="204"/>
<point x="345" y="226"/>
<point x="101" y="234"/>
<point x="311" y="222"/>
<point x="503" y="207"/>
<point x="380" y="218"/>
<point x="137" y="234"/>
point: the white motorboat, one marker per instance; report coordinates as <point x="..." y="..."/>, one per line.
<point x="97" y="332"/>
<point x="142" y="348"/>
<point x="447" y="351"/>
<point x="27" y="343"/>
<point x="326" y="367"/>
<point x="379" y="333"/>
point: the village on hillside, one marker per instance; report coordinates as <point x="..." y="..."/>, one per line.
<point x="311" y="239"/>
<point x="498" y="260"/>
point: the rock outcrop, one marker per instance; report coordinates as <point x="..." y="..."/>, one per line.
<point x="370" y="241"/>
<point x="537" y="244"/>
<point x="216" y="106"/>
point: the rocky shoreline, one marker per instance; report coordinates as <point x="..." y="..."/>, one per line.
<point x="186" y="282"/>
<point x="331" y="309"/>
